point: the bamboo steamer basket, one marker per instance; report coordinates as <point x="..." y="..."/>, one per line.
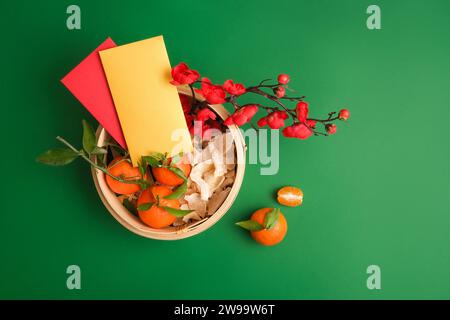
<point x="134" y="224"/>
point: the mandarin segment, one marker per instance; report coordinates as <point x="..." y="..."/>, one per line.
<point x="290" y="196"/>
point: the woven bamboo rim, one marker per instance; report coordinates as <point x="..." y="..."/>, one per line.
<point x="133" y="223"/>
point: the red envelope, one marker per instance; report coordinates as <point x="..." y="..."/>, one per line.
<point x="88" y="84"/>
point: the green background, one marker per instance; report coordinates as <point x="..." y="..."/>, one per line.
<point x="375" y="193"/>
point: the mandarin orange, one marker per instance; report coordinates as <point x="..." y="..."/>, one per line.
<point x="122" y="168"/>
<point x="157" y="217"/>
<point x="169" y="178"/>
<point x="269" y="237"/>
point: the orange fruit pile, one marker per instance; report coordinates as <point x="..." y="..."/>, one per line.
<point x="155" y="215"/>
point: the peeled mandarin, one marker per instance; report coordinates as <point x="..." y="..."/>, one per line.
<point x="290" y="196"/>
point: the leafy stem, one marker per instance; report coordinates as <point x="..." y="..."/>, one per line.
<point x="82" y="154"/>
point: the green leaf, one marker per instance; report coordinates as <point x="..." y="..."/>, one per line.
<point x="129" y="206"/>
<point x="178" y="192"/>
<point x="271" y="218"/>
<point x="116" y="148"/>
<point x="177" y="171"/>
<point x="119" y="151"/>
<point x="176" y="212"/>
<point x="99" y="150"/>
<point x="250" y="225"/>
<point x="176" y="158"/>
<point x="101" y="160"/>
<point x="89" y="142"/>
<point x="157" y="155"/>
<point x="57" y="157"/>
<point x="144" y="184"/>
<point x="151" y="161"/>
<point x="141" y="167"/>
<point x="145" y="206"/>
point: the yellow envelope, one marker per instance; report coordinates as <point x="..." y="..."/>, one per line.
<point x="148" y="106"/>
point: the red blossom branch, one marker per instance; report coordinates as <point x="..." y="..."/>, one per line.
<point x="302" y="126"/>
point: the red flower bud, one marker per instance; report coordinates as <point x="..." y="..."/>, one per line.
<point x="274" y="120"/>
<point x="299" y="131"/>
<point x="249" y="110"/>
<point x="242" y="116"/>
<point x="302" y="111"/>
<point x="331" y="128"/>
<point x="240" y="119"/>
<point x="234" y="88"/>
<point x="279" y="91"/>
<point x="262" y="122"/>
<point x="181" y="74"/>
<point x="283" y="78"/>
<point x="214" y="94"/>
<point x="205" y="114"/>
<point x="311" y="123"/>
<point x="229" y="121"/>
<point x="344" y="114"/>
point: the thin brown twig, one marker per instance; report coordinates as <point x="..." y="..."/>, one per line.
<point x="292" y="112"/>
